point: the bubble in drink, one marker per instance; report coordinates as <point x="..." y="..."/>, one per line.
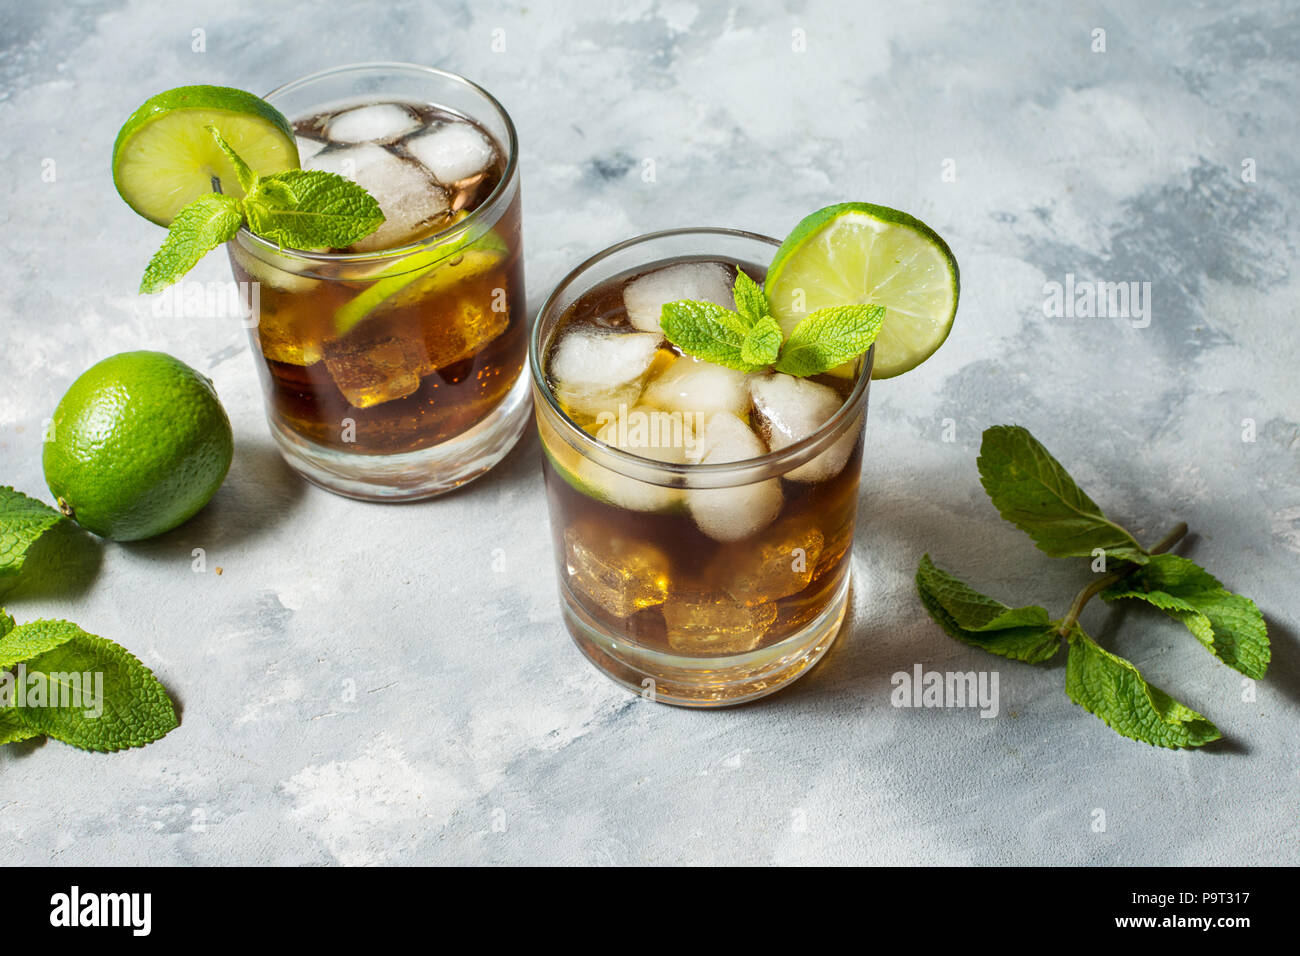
<point x="412" y="202"/>
<point x="453" y="151"/>
<point x="378" y="123"/>
<point x="645" y="296"/>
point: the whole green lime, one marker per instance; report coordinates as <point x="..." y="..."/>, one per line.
<point x="137" y="446"/>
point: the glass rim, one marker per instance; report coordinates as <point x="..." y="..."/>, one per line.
<point x="474" y="217"/>
<point x="784" y="460"/>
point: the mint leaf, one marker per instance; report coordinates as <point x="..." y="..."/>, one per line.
<point x="1111" y="688"/>
<point x="6" y="622"/>
<point x="751" y="301"/>
<point x="247" y="178"/>
<point x="34" y="638"/>
<point x="22" y="521"/>
<point x="1035" y="493"/>
<point x="12" y="728"/>
<point x="135" y="708"/>
<point x="1023" y="633"/>
<point x="830" y="337"/>
<point x="1229" y="625"/>
<point x="311" y="209"/>
<point x="762" y="342"/>
<point x="706" y="331"/>
<point x="198" y="228"/>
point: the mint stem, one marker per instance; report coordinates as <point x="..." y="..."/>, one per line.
<point x="1176" y="534"/>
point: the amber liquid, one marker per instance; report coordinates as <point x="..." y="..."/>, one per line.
<point x="663" y="583"/>
<point x="413" y="373"/>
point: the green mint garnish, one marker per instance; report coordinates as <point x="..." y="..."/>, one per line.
<point x="830" y="337"/>
<point x="1023" y="633"/>
<point x="1111" y="688"/>
<point x="22" y="521"/>
<point x="749" y="339"/>
<point x="1034" y="492"/>
<point x="1229" y="625"/>
<point x="133" y="710"/>
<point x="198" y="228"/>
<point x="299" y="208"/>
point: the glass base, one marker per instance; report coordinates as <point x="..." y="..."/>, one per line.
<point x="703" y="681"/>
<point x="410" y="476"/>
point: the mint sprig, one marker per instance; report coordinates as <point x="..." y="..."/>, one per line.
<point x="134" y="708"/>
<point x="749" y="338"/>
<point x="1032" y="490"/>
<point x="298" y="208"/>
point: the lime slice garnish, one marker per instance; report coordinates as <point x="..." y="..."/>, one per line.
<point x="164" y="157"/>
<point x="422" y="274"/>
<point x="859" y="253"/>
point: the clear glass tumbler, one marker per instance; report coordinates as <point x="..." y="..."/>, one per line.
<point x="671" y="580"/>
<point x="396" y="372"/>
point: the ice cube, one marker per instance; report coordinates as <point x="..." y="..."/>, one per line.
<point x="286" y="335"/>
<point x="710" y="622"/>
<point x="694" y="386"/>
<point x="307" y="148"/>
<point x="647" y="432"/>
<point x="644" y="297"/>
<point x="780" y="565"/>
<point x="788" y="409"/>
<point x="380" y="123"/>
<point x="271" y="275"/>
<point x="378" y="362"/>
<point x="459" y="328"/>
<point x="597" y="371"/>
<point x="452" y="152"/>
<point x="620" y="575"/>
<point x="730" y="514"/>
<point x="412" y="203"/>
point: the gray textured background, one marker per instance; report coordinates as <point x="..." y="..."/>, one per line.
<point x="471" y="708"/>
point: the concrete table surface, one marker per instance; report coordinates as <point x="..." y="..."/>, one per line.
<point x="368" y="684"/>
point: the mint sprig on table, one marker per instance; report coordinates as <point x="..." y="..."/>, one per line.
<point x="1034" y="492"/>
<point x="750" y="339"/>
<point x="299" y="208"/>
<point x="134" y="708"/>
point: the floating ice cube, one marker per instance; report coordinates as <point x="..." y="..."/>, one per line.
<point x="620" y="575"/>
<point x="730" y="514"/>
<point x="378" y="362"/>
<point x="307" y="148"/>
<point x="596" y="371"/>
<point x="710" y="622"/>
<point x="650" y="433"/>
<point x="696" y="387"/>
<point x="644" y="297"/>
<point x="380" y="123"/>
<point x="789" y="409"/>
<point x="412" y="203"/>
<point x="452" y="152"/>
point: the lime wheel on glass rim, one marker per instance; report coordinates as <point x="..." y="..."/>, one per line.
<point x="164" y="157"/>
<point x="858" y="253"/>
